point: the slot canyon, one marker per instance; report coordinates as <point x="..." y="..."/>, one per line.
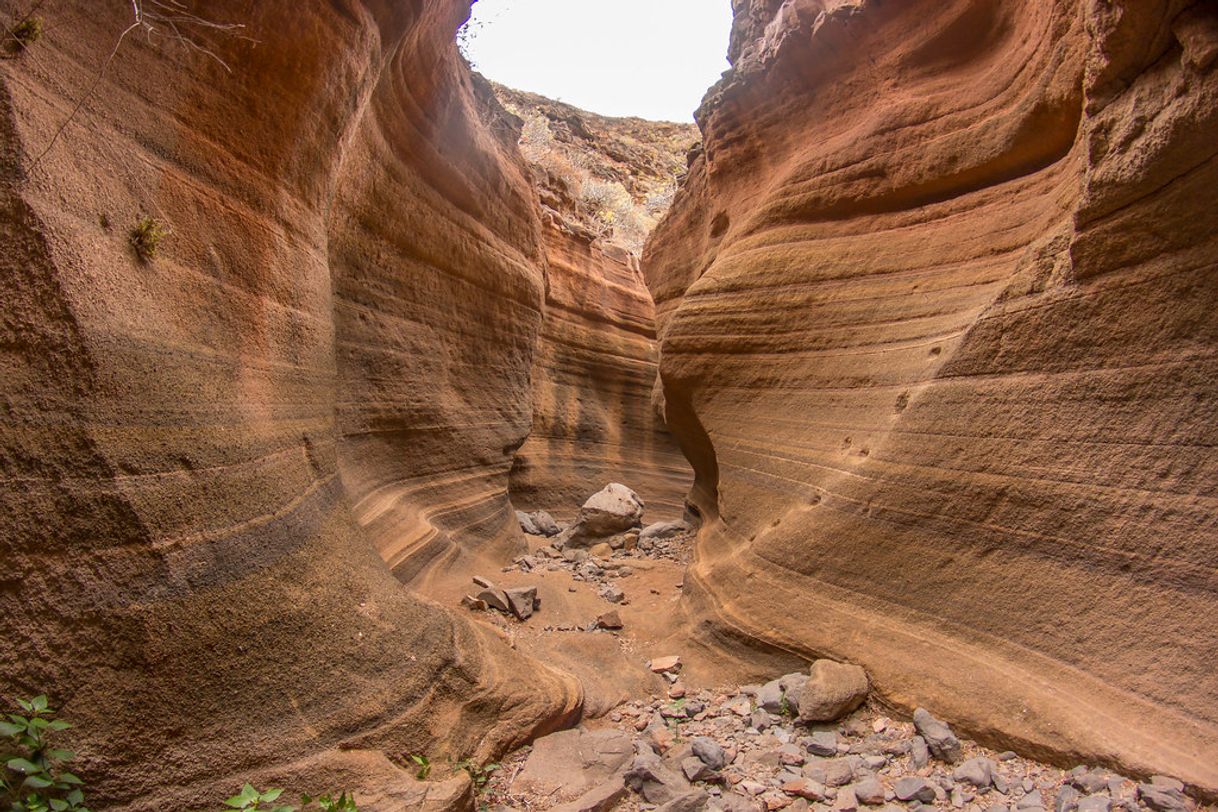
<point x="911" y="359"/>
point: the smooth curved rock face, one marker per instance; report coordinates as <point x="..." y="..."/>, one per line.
<point x="938" y="334"/>
<point x="595" y="369"/>
<point x="183" y="572"/>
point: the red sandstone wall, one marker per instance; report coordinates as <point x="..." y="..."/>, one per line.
<point x="938" y="333"/>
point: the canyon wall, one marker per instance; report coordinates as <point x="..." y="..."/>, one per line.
<point x="593" y="421"/>
<point x="938" y="332"/>
<point x="329" y="357"/>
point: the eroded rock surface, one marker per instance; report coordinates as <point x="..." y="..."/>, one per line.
<point x="601" y="183"/>
<point x="343" y="315"/>
<point x="937" y="332"/>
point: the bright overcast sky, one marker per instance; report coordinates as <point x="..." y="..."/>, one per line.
<point x="648" y="58"/>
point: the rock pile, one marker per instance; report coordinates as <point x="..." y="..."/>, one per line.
<point x="519" y="602"/>
<point x="751" y="750"/>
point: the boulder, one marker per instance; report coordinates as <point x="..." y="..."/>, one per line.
<point x="661" y="664"/>
<point x="651" y="778"/>
<point x="659" y="531"/>
<point x="911" y="788"/>
<point x="522" y="601"/>
<point x="939" y="738"/>
<point x="833" y="689"/>
<point x="1095" y="803"/>
<point x="545" y="524"/>
<point x="496" y="599"/>
<point x="609" y="620"/>
<point x="823" y="743"/>
<point x="695" y="769"/>
<point x="527" y="524"/>
<point x="869" y="791"/>
<point x="710" y="752"/>
<point x="976" y="771"/>
<point x="611" y="511"/>
<point x="919" y="753"/>
<point x="567" y="764"/>
<point x="1160" y="797"/>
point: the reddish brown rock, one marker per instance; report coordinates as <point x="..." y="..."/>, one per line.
<point x="938" y="334"/>
<point x="343" y="315"/>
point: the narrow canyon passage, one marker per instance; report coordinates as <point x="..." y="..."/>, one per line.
<point x="909" y="344"/>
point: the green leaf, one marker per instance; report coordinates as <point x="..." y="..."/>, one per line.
<point x="284" y="809"/>
<point x="59" y="806"/>
<point x="305" y="800"/>
<point x="61" y="755"/>
<point x="270" y="795"/>
<point x="38" y="782"/>
<point x="69" y="778"/>
<point x="22" y="765"/>
<point x="25" y="706"/>
<point x="59" y="724"/>
<point x="40" y="703"/>
<point x="9" y="729"/>
<point x="76" y="797"/>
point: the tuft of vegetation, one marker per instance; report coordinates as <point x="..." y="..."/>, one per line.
<point x="479" y="775"/>
<point x="34" y="778"/>
<point x="251" y="800"/>
<point x="345" y="802"/>
<point x="146" y="237"/>
<point x="422" y="766"/>
<point x="25" y="33"/>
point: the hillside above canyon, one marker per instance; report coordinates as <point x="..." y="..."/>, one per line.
<point x="610" y="178"/>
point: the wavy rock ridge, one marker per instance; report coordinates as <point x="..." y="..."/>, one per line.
<point x="937" y="332"/>
<point x="203" y="454"/>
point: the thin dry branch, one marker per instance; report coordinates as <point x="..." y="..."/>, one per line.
<point x="168" y="18"/>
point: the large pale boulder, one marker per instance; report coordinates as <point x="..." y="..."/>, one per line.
<point x="612" y="510"/>
<point x="833" y="689"/>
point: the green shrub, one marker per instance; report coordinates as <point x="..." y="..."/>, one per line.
<point x="26" y="33"/>
<point x="34" y="778"/>
<point x="422" y="765"/>
<point x="251" y="800"/>
<point x="479" y="775"/>
<point x="343" y="803"/>
<point x="146" y="237"/>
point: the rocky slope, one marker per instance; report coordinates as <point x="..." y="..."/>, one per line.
<point x="938" y="335"/>
<point x="330" y="356"/>
<point x="611" y="179"/>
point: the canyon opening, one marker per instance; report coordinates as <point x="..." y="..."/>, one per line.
<point x="377" y="435"/>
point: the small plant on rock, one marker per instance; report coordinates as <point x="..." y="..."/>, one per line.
<point x="146" y="237"/>
<point x="345" y="802"/>
<point x="26" y="33"/>
<point x="422" y="766"/>
<point x="479" y="775"/>
<point x="34" y="778"/>
<point x="251" y="800"/>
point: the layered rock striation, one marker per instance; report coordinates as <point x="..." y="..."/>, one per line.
<point x="207" y="454"/>
<point x="595" y="369"/>
<point x="937" y="332"/>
